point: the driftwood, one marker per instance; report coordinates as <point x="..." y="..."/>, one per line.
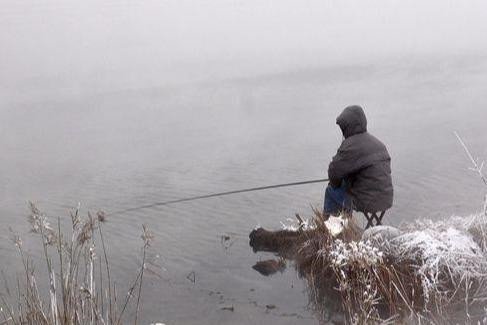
<point x="299" y="246"/>
<point x="286" y="243"/>
<point x="282" y="242"/>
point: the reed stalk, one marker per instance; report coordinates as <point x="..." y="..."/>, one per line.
<point x="78" y="297"/>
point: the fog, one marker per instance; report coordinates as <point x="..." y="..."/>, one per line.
<point x="85" y="46"/>
<point x="116" y="104"/>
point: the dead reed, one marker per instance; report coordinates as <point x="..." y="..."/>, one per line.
<point x="434" y="272"/>
<point x="80" y="287"/>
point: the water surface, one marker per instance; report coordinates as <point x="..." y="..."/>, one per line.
<point x="113" y="135"/>
<point x="128" y="147"/>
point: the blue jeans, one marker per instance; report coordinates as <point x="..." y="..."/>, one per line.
<point x="337" y="200"/>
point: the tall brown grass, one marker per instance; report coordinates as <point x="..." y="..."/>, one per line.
<point x="80" y="285"/>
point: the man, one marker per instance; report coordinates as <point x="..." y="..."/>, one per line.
<point x="360" y="172"/>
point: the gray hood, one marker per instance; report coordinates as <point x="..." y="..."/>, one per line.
<point x="352" y="121"/>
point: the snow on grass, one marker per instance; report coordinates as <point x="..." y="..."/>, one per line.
<point x="335" y="225"/>
<point x="447" y="248"/>
<point x="343" y="254"/>
<point x="294" y="225"/>
<point x="425" y="268"/>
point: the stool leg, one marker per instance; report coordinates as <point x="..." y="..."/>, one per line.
<point x="379" y="219"/>
<point x="369" y="221"/>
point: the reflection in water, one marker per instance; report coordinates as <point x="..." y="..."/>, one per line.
<point x="269" y="267"/>
<point x="295" y="246"/>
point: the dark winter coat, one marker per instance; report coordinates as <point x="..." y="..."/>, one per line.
<point x="363" y="162"/>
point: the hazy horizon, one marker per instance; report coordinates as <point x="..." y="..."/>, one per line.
<point x="81" y="47"/>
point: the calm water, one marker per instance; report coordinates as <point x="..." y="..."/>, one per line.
<point x="112" y="145"/>
<point x="118" y="149"/>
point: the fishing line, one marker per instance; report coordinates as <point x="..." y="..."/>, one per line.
<point x="199" y="197"/>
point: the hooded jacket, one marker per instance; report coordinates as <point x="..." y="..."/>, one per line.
<point x="363" y="162"/>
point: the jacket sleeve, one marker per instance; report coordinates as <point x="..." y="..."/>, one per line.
<point x="344" y="163"/>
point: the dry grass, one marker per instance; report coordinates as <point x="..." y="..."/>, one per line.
<point x="430" y="272"/>
<point x="384" y="281"/>
<point x="80" y="287"/>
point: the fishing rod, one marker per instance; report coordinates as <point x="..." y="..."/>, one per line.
<point x="260" y="188"/>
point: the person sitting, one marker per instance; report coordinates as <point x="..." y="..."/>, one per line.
<point x="360" y="172"/>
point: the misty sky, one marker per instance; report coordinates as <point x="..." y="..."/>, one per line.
<point x="91" y="43"/>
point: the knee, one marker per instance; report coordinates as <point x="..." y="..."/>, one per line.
<point x="329" y="189"/>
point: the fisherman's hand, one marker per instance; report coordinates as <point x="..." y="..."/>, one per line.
<point x="335" y="183"/>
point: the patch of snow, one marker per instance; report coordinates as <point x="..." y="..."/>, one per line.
<point x="294" y="225"/>
<point x="343" y="254"/>
<point x="336" y="224"/>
